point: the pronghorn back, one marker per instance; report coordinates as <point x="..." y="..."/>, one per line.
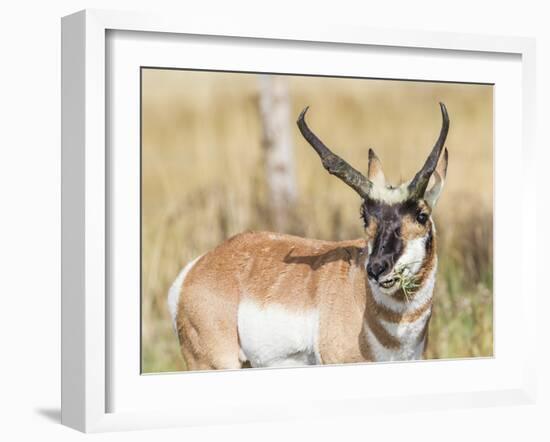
<point x="256" y="278"/>
<point x="268" y="299"/>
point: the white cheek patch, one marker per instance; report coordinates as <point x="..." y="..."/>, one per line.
<point x="413" y="255"/>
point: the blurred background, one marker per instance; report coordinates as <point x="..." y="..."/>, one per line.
<point x="221" y="154"/>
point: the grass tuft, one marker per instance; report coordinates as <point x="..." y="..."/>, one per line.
<point x="406" y="281"/>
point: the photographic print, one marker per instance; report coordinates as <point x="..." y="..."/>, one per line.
<point x="292" y="220"/>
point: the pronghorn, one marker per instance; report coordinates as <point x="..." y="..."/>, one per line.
<point x="264" y="299"/>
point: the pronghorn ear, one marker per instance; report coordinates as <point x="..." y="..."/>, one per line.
<point x="432" y="195"/>
<point x="376" y="175"/>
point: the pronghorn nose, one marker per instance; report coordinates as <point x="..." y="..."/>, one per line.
<point x="376" y="268"/>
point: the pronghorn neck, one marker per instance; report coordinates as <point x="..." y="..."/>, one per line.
<point x="396" y="328"/>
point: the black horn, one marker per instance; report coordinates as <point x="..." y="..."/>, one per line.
<point x="333" y="163"/>
<point x="419" y="183"/>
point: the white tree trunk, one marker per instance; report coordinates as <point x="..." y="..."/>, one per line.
<point x="278" y="148"/>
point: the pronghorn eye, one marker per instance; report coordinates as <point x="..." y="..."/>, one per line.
<point x="422" y="218"/>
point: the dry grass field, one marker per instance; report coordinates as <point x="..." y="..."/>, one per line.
<point x="203" y="181"/>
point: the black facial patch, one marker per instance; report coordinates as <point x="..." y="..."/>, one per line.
<point x="382" y="211"/>
<point x="388" y="244"/>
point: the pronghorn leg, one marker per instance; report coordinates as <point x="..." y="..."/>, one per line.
<point x="207" y="331"/>
<point x="194" y="364"/>
<point x="218" y="360"/>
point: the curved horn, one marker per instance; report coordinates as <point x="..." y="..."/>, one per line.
<point x="419" y="183"/>
<point x="333" y="163"/>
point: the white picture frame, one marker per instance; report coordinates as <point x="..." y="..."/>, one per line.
<point x="87" y="203"/>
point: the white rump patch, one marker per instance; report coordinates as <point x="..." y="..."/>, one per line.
<point x="274" y="336"/>
<point x="175" y="291"/>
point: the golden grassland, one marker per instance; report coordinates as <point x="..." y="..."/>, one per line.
<point x="203" y="181"/>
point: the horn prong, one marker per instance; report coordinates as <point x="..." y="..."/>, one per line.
<point x="333" y="163"/>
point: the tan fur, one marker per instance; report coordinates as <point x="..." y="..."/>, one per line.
<point x="411" y="229"/>
<point x="430" y="261"/>
<point x="299" y="274"/>
<point x="381" y="312"/>
<point x="382" y="335"/>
